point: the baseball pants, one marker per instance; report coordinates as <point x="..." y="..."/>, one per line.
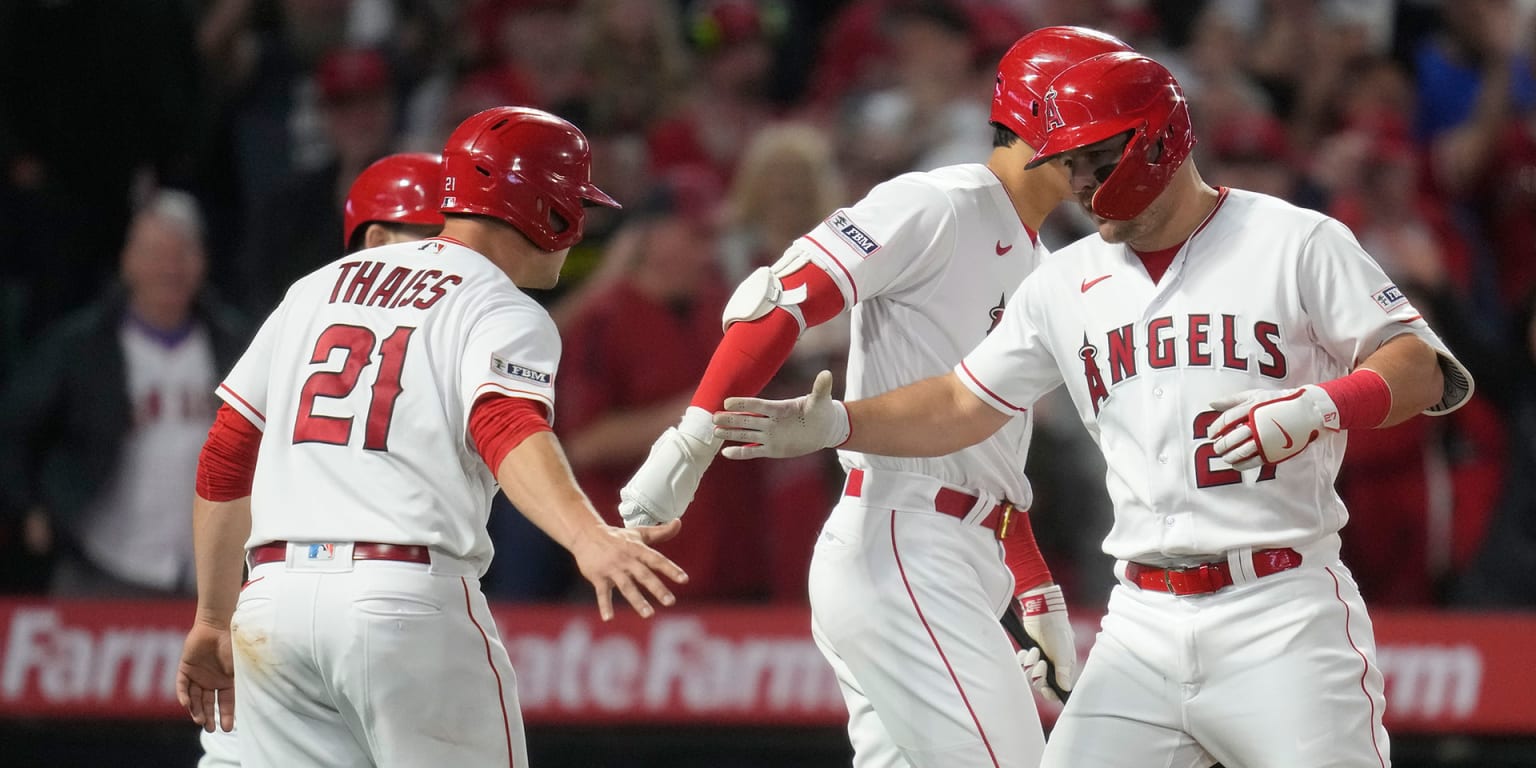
<point x="221" y="749"/>
<point x="1273" y="673"/>
<point x="905" y="607"/>
<point x="365" y="663"/>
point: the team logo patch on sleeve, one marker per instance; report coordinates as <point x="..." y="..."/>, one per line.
<point x="514" y="371"/>
<point x="851" y="234"/>
<point x="1390" y="298"/>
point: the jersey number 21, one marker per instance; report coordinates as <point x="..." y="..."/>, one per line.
<point x="358" y="341"/>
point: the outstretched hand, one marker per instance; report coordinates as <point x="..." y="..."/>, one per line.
<point x="205" y="678"/>
<point x="783" y="428"/>
<point x="621" y="558"/>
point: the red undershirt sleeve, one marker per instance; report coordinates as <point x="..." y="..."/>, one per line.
<point x="754" y="350"/>
<point x="228" y="459"/>
<point x="498" y="423"/>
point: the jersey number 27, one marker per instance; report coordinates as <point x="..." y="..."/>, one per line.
<point x="358" y="341"/>
<point x="1207" y="473"/>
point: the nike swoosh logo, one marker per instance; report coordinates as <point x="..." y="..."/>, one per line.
<point x="1288" y="441"/>
<point x="1002" y="250"/>
<point x="1091" y="283"/>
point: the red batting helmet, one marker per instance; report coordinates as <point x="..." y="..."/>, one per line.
<point x="397" y="188"/>
<point x="1112" y="94"/>
<point x="523" y="166"/>
<point x="1028" y="68"/>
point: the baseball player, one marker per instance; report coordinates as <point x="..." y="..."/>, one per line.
<point x="908" y="578"/>
<point x="1217" y="345"/>
<point x="394" y="200"/>
<point x="389" y="393"/>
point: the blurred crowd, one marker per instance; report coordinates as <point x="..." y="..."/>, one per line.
<point x="167" y="167"/>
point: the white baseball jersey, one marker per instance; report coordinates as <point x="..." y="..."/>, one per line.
<point x="905" y="600"/>
<point x="1263" y="295"/>
<point x="928" y="261"/>
<point x="362" y="381"/>
<point x="1274" y="670"/>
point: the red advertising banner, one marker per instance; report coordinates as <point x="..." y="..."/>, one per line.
<point x="1446" y="672"/>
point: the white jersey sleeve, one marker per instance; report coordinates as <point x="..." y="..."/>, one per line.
<point x="880" y="244"/>
<point x="1014" y="365"/>
<point x="1355" y="308"/>
<point x="245" y="389"/>
<point x="513" y="350"/>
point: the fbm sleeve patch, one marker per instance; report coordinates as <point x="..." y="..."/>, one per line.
<point x="851" y="234"/>
<point x="512" y="370"/>
<point x="1390" y="298"/>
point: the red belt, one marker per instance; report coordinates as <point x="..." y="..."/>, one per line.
<point x="277" y="552"/>
<point x="1208" y="577"/>
<point x="957" y="504"/>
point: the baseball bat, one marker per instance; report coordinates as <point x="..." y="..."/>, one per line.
<point x="1015" y="627"/>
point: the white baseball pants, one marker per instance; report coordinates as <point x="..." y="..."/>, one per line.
<point x="371" y="662"/>
<point x="1277" y="672"/>
<point x="905" y="607"/>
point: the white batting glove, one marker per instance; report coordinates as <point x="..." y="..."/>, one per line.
<point x="1045" y="619"/>
<point x="663" y="487"/>
<point x="1268" y="426"/>
<point x="783" y="428"/>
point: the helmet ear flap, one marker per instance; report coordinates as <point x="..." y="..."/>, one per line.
<point x="1117" y="92"/>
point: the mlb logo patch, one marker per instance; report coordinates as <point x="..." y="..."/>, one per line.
<point x="1390" y="298"/>
<point x="510" y="369"/>
<point x="321" y="552"/>
<point x="851" y="234"/>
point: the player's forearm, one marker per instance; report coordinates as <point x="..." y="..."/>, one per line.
<point x="933" y="417"/>
<point x="1411" y="370"/>
<point x="219" y="532"/>
<point x="537" y="479"/>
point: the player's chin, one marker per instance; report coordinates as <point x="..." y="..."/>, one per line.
<point x="1113" y="231"/>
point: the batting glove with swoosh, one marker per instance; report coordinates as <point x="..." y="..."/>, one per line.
<point x="1045" y="619"/>
<point x="780" y="429"/>
<point x="1268" y="426"/>
<point x="663" y="487"/>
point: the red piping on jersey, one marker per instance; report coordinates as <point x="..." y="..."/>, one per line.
<point x="993" y="395"/>
<point x="236" y="395"/>
<point x="449" y="240"/>
<point x="1033" y="238"/>
<point x="1412" y="319"/>
<point x="543" y="399"/>
<point x="500" y="695"/>
<point x="1364" y="671"/>
<point x="1221" y="197"/>
<point x="920" y="617"/>
<point x="846" y="273"/>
